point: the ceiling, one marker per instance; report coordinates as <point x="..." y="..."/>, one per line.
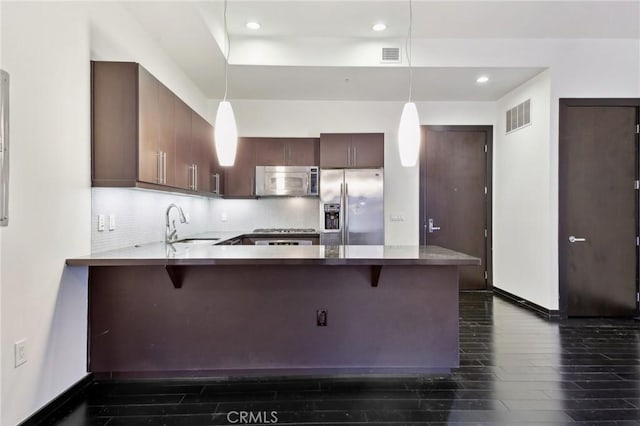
<point x="265" y="65"/>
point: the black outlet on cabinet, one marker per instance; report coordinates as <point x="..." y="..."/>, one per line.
<point x="321" y="317"/>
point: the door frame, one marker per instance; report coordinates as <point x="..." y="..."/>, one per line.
<point x="488" y="131"/>
<point x="564" y="105"/>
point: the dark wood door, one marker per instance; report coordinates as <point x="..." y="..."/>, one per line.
<point x="184" y="157"/>
<point x="598" y="216"/>
<point x="302" y="151"/>
<point x="166" y="133"/>
<point x="453" y="198"/>
<point x="335" y="150"/>
<point x="239" y="180"/>
<point x="202" y="144"/>
<point x="148" y="115"/>
<point x="271" y="152"/>
<point x="367" y="150"/>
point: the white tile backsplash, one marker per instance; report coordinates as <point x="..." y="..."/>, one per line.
<point x="266" y="213"/>
<point x="140" y="215"/>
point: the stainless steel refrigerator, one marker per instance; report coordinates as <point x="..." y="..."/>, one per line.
<point x="351" y="206"/>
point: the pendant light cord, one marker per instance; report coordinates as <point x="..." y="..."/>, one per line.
<point x="408" y="48"/>
<point x="228" y="49"/>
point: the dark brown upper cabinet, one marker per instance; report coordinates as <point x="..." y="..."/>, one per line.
<point x="143" y="135"/>
<point x="287" y="151"/>
<point x="351" y="150"/>
<point x="240" y="179"/>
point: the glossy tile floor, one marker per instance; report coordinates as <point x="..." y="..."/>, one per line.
<point x="516" y="368"/>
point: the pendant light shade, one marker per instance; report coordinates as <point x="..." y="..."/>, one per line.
<point x="226" y="131"/>
<point x="409" y="135"/>
<point x="226" y="134"/>
<point x="409" y="128"/>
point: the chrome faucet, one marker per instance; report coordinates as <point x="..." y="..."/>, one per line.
<point x="171" y="236"/>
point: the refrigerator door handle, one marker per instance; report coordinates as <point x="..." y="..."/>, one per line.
<point x="346" y="213"/>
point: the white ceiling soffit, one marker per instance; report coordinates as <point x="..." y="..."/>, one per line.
<point x="191" y="33"/>
<point x="373" y="83"/>
<point x="435" y="19"/>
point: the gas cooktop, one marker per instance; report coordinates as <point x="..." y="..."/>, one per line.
<point x="286" y="230"/>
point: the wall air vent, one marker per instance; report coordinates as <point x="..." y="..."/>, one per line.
<point x="390" y="54"/>
<point x="519" y="116"/>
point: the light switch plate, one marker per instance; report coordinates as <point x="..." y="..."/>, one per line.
<point x="20" y="352"/>
<point x="112" y="222"/>
<point x="397" y="218"/>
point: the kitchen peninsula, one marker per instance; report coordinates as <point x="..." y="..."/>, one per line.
<point x="201" y="309"/>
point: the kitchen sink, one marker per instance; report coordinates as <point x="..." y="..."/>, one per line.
<point x="197" y="241"/>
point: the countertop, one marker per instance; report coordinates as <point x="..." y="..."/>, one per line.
<point x="210" y="254"/>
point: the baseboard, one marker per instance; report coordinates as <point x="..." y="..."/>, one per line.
<point x="56" y="406"/>
<point x="549" y="314"/>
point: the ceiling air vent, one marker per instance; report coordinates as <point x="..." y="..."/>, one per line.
<point x="519" y="116"/>
<point x="390" y="54"/>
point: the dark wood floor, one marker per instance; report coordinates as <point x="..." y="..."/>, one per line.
<point x="516" y="368"/>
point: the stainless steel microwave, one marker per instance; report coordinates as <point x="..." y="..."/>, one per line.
<point x="287" y="181"/>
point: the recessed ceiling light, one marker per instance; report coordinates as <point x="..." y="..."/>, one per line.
<point x="379" y="27"/>
<point x="253" y="25"/>
<point x="482" y="79"/>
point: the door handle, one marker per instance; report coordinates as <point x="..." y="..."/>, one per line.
<point x="573" y="239"/>
<point x="432" y="228"/>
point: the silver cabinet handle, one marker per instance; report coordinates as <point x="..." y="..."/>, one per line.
<point x="159" y="166"/>
<point x="349" y="155"/>
<point x="573" y="239"/>
<point x="164" y="167"/>
<point x="432" y="228"/>
<point x="216" y="187"/>
<point x="196" y="177"/>
<point x="355" y="156"/>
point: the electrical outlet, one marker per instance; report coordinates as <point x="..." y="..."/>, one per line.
<point x="112" y="222"/>
<point x="224" y="217"/>
<point x="100" y="222"/>
<point x="20" y="352"/>
<point x="321" y="317"/>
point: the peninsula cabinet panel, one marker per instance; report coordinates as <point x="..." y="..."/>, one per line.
<point x="352" y="150"/>
<point x="239" y="180"/>
<point x="287" y="151"/>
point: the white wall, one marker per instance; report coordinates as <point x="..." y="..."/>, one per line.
<point x="46" y="47"/>
<point x="310" y="118"/>
<point x="521" y="202"/>
<point x="1" y="352"/>
<point x="46" y="51"/>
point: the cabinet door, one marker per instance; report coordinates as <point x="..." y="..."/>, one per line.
<point x="202" y="144"/>
<point x="148" y="160"/>
<point x="303" y="151"/>
<point x="182" y="126"/>
<point x="166" y="134"/>
<point x="271" y="152"/>
<point x="239" y="180"/>
<point x="367" y="150"/>
<point x="217" y="171"/>
<point x="335" y="150"/>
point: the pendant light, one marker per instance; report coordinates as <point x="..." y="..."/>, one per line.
<point x="226" y="131"/>
<point x="409" y="128"/>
